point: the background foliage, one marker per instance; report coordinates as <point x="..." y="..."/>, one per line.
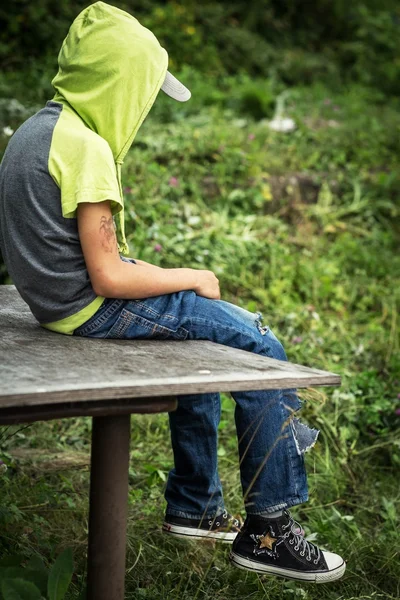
<point x="334" y="41"/>
<point x="302" y="226"/>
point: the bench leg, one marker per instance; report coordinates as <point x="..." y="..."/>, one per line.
<point x="108" y="508"/>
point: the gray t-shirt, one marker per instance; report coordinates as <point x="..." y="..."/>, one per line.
<point x="39" y="244"/>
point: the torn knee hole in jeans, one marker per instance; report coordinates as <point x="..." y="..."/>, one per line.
<point x="304" y="436"/>
<point x="263" y="329"/>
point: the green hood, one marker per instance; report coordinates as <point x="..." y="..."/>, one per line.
<point x="111" y="69"/>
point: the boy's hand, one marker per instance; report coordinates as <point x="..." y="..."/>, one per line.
<point x="207" y="285"/>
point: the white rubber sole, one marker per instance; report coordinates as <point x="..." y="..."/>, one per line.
<point x="314" y="577"/>
<point x="190" y="532"/>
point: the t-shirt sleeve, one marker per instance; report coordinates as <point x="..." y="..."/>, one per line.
<point x="83" y="167"/>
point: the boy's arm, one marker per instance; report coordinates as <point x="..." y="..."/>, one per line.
<point x="109" y="275"/>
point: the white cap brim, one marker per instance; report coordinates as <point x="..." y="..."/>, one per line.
<point x="174" y="88"/>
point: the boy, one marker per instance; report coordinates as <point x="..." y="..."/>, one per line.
<point x="60" y="186"/>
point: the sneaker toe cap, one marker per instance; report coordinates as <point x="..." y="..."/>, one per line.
<point x="333" y="560"/>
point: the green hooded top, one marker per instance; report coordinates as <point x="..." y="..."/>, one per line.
<point x="111" y="69"/>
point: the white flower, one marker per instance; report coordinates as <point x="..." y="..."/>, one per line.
<point x="282" y="124"/>
<point x="8" y="131"/>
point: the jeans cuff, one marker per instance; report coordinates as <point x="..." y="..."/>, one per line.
<point x="211" y="513"/>
<point x="257" y="510"/>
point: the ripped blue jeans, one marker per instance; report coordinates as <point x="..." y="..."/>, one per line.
<point x="271" y="440"/>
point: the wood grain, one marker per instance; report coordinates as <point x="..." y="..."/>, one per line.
<point x="39" y="367"/>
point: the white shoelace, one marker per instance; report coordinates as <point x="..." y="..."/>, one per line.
<point x="300" y="542"/>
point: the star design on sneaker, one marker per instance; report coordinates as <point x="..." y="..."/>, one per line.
<point x="266" y="541"/>
<point x="266" y="544"/>
<point x="278" y="547"/>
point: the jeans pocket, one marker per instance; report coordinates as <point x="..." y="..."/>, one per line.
<point x="132" y="326"/>
<point x="97" y="326"/>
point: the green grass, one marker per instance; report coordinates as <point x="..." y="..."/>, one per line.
<point x="301" y="227"/>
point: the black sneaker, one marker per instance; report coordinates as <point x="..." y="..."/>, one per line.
<point x="223" y="527"/>
<point x="276" y="547"/>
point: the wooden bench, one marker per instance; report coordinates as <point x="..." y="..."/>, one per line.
<point x="50" y="376"/>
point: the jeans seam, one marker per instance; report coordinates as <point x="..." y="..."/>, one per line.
<point x="123" y="322"/>
<point x="167" y="316"/>
<point x="289" y="443"/>
<point x="148" y="309"/>
<point x="292" y="501"/>
<point x="217" y="403"/>
<point x="177" y="512"/>
<point x="100" y="320"/>
<point x="248" y="331"/>
<point x="257" y="338"/>
<point x="128" y="318"/>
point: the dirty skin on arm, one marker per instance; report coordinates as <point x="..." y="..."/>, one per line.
<point x="107" y="234"/>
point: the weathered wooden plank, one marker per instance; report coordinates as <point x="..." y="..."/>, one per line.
<point x="12" y="415"/>
<point x="39" y="367"/>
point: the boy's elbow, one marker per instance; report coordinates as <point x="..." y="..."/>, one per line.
<point x="105" y="286"/>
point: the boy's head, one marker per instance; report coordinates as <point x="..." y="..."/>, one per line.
<point x="111" y="69"/>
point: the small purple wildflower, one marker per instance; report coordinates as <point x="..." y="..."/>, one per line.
<point x="297" y="339"/>
<point x="398" y="396"/>
<point x="157" y="248"/>
<point x="336" y="108"/>
<point x="327" y="101"/>
<point x="397" y="412"/>
<point x="173" y="182"/>
<point x="127" y="190"/>
<point x="251" y="136"/>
